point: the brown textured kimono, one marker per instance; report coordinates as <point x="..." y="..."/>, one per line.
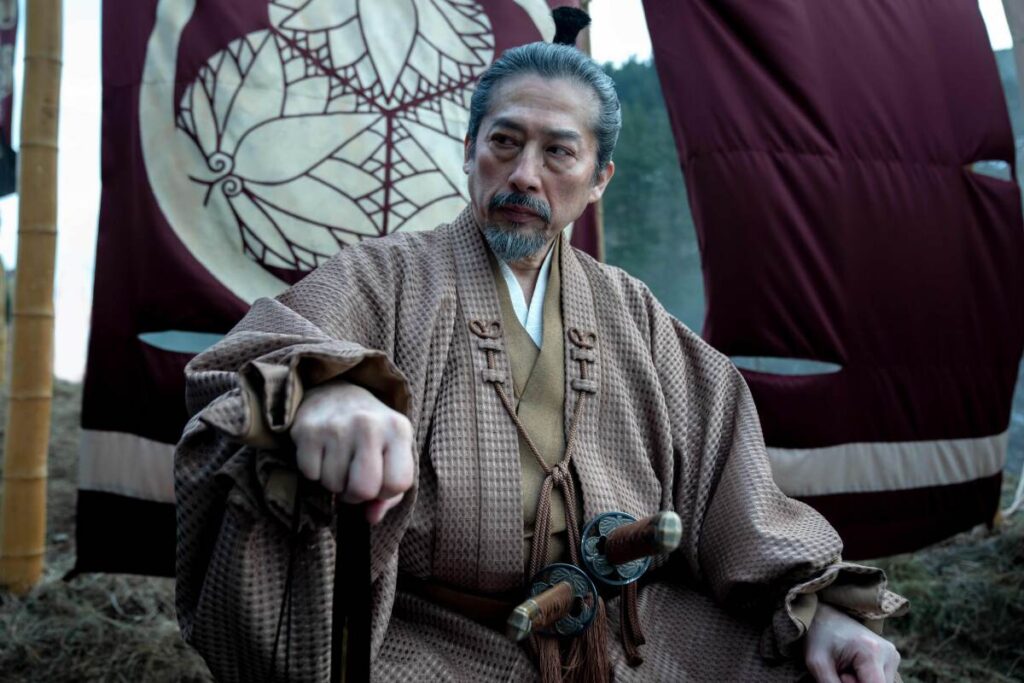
<point x="669" y="425"/>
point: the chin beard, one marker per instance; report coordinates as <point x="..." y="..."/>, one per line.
<point x="512" y="245"/>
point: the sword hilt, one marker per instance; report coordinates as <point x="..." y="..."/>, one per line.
<point x="654" y="535"/>
<point x="541" y="611"/>
<point x="562" y="602"/>
<point x="616" y="548"/>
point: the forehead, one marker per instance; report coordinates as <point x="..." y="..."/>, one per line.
<point x="533" y="101"/>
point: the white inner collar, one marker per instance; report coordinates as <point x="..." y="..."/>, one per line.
<point x="531" y="315"/>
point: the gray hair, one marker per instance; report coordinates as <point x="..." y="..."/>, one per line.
<point x="552" y="61"/>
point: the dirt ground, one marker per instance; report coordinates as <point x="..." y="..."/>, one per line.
<point x="967" y="621"/>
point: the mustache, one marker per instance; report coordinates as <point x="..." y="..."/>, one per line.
<point x="537" y="206"/>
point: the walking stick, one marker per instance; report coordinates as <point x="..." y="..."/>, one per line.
<point x="350" y="625"/>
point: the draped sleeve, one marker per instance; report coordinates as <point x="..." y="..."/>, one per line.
<point x="759" y="552"/>
<point x="238" y="488"/>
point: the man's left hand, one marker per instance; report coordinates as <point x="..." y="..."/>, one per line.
<point x="840" y="649"/>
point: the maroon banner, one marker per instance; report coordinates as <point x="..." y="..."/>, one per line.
<point x="8" y="45"/>
<point x="837" y="157"/>
<point x="243" y="144"/>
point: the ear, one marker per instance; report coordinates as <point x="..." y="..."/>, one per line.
<point x="603" y="178"/>
<point x="465" y="154"/>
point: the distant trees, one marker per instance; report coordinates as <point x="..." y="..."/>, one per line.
<point x="648" y="228"/>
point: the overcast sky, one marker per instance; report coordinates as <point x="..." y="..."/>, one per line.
<point x="618" y="33"/>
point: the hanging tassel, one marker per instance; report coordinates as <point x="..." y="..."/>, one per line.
<point x="629" y="625"/>
<point x="549" y="658"/>
<point x="588" y="657"/>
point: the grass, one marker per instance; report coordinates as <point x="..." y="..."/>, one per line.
<point x="967" y="617"/>
<point x="966" y="624"/>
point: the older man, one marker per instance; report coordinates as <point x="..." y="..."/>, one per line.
<point x="483" y="390"/>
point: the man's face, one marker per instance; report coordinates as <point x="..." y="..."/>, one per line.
<point x="533" y="168"/>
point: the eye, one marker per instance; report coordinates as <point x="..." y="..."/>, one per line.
<point x="559" y="151"/>
<point x="503" y="140"/>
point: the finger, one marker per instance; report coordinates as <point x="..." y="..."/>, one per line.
<point x="377" y="509"/>
<point x="869" y="669"/>
<point x="399" y="468"/>
<point x="337" y="459"/>
<point x="821" y="667"/>
<point x="365" y="472"/>
<point x="309" y="456"/>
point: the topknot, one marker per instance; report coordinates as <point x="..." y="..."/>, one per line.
<point x="569" y="21"/>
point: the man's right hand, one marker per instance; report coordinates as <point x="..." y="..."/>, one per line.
<point x="354" y="445"/>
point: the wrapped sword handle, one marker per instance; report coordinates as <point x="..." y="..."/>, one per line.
<point x="617" y="548"/>
<point x="654" y="535"/>
<point x="563" y="601"/>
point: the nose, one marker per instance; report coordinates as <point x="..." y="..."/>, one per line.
<point x="525" y="177"/>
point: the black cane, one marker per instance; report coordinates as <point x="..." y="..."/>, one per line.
<point x="350" y="625"/>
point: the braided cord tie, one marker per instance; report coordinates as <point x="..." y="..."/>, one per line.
<point x="587" y="661"/>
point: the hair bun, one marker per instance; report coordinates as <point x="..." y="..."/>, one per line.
<point x="569" y="21"/>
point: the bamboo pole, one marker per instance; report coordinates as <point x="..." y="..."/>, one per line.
<point x="599" y="206"/>
<point x="23" y="532"/>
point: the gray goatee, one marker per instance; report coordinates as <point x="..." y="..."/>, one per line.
<point x="511" y="244"/>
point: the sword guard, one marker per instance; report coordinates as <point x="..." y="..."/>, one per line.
<point x="562" y="602"/>
<point x="617" y="549"/>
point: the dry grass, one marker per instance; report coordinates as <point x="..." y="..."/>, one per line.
<point x="96" y="628"/>
<point x="967" y="616"/>
<point x="967" y="622"/>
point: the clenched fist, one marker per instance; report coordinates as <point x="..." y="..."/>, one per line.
<point x="355" y="446"/>
<point x="842" y="650"/>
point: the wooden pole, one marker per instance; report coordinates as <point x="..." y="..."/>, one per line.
<point x="23" y="531"/>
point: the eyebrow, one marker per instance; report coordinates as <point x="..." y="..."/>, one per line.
<point x="560" y="133"/>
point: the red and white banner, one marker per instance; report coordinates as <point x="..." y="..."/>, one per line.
<point x="244" y="142"/>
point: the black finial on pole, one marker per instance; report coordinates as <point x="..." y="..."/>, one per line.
<point x="569" y="21"/>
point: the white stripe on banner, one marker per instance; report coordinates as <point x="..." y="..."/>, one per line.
<point x="130" y="465"/>
<point x="126" y="464"/>
<point x="871" y="467"/>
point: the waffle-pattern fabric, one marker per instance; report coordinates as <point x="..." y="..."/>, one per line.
<point x="672" y="426"/>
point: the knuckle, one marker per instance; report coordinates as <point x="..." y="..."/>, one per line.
<point x="303" y="429"/>
<point x="361" y="419"/>
<point x="360" y="490"/>
<point x="401" y="425"/>
<point x="404" y="480"/>
<point x="394" y="485"/>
